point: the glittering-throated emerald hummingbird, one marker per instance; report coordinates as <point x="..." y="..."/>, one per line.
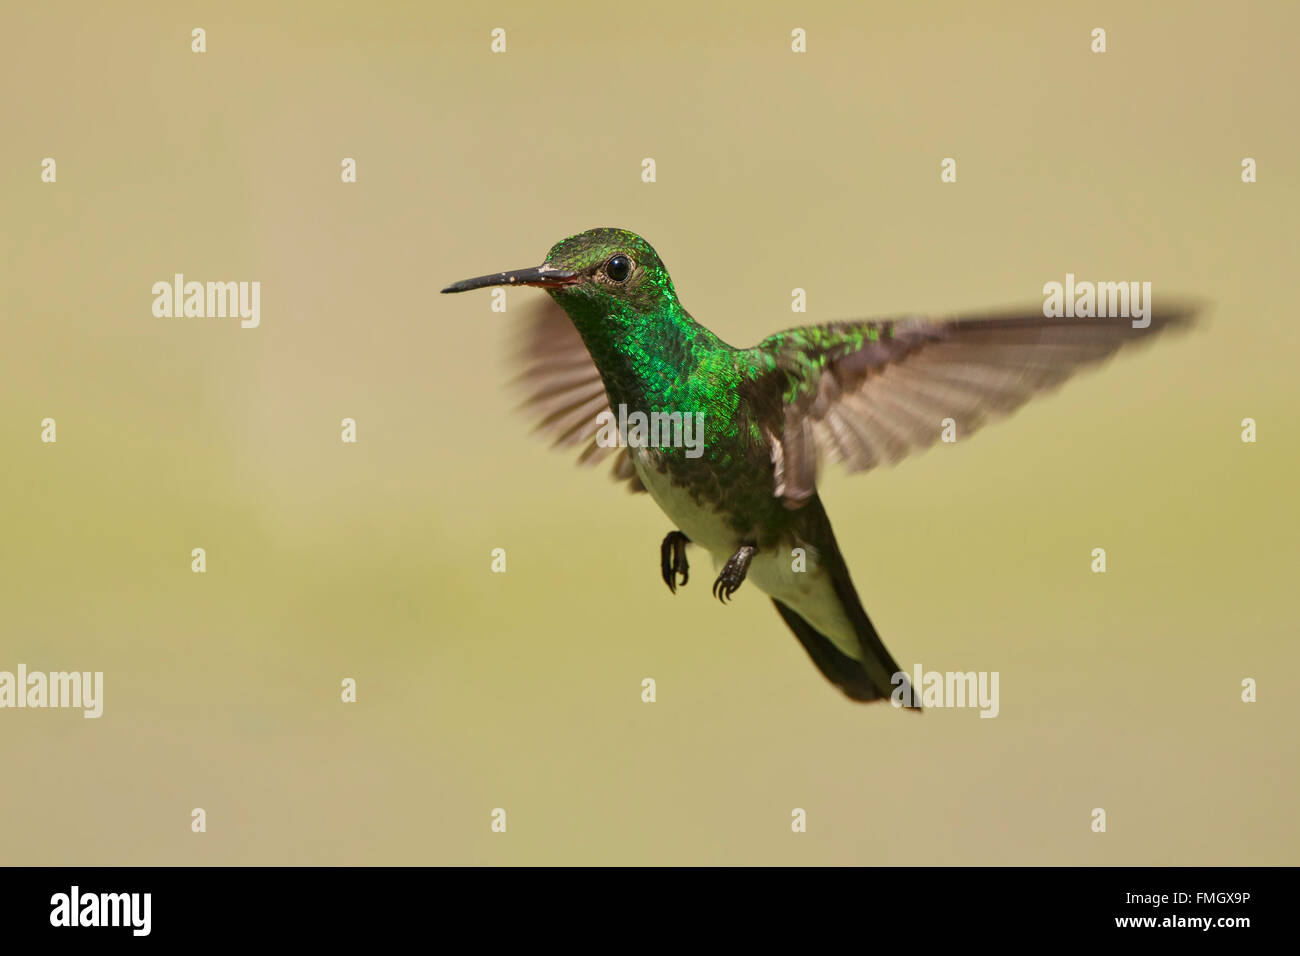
<point x="865" y="393"/>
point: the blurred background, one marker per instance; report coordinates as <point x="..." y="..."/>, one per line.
<point x="522" y="690"/>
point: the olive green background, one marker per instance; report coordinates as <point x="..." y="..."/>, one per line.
<point x="522" y="691"/>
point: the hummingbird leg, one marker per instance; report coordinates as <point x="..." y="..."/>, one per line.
<point x="672" y="559"/>
<point x="733" y="572"/>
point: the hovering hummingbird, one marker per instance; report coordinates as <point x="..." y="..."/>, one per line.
<point x="866" y="393"/>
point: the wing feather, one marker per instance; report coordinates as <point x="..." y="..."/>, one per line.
<point x="870" y="393"/>
<point x="564" y="392"/>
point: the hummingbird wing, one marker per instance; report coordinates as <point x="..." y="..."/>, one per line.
<point x="563" y="389"/>
<point x="871" y="392"/>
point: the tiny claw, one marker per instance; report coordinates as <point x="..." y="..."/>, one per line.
<point x="672" y="559"/>
<point x="733" y="573"/>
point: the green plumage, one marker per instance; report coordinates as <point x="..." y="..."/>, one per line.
<point x="866" y="393"/>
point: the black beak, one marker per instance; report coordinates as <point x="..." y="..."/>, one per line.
<point x="543" y="277"/>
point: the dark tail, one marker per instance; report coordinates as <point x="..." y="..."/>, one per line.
<point x="870" y="678"/>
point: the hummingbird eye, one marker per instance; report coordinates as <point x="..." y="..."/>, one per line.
<point x="618" y="268"/>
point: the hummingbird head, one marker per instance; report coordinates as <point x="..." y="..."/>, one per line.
<point x="598" y="272"/>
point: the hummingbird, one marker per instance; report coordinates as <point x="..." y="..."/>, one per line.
<point x="865" y="393"/>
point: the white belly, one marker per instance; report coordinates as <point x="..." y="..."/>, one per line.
<point x="808" y="592"/>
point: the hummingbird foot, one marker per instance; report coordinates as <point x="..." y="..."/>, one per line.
<point x="672" y="559"/>
<point x="733" y="573"/>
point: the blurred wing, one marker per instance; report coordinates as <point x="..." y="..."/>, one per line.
<point x="563" y="390"/>
<point x="870" y="393"/>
